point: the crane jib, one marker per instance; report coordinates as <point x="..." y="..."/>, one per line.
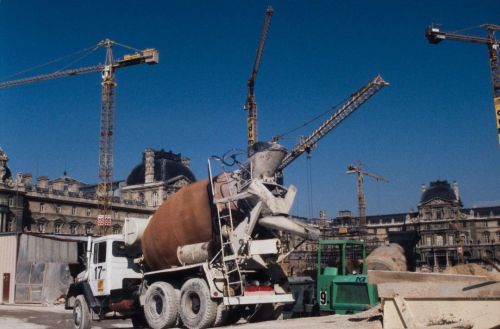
<point x="354" y="102"/>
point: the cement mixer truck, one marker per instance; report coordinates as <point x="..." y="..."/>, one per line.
<point x="210" y="254"/>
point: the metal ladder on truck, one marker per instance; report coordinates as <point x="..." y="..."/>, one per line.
<point x="233" y="282"/>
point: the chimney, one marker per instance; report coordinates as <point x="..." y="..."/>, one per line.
<point x="149" y="160"/>
<point x="43" y="182"/>
<point x="455" y="189"/>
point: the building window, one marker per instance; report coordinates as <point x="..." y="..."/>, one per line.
<point x="89" y="228"/>
<point x="485" y="224"/>
<point x="58" y="209"/>
<point x="57" y="228"/>
<point x="116" y="229"/>
<point x="451" y="240"/>
<point x="73" y="228"/>
<point x="11" y="225"/>
<point x="11" y="202"/>
<point x="73" y="210"/>
<point x="486" y="237"/>
<point x="41" y="227"/>
<point x="155" y="199"/>
<point x="42" y="207"/>
<point x="428" y="240"/>
<point x="88" y="212"/>
<point x="115" y="215"/>
<point x="439" y="240"/>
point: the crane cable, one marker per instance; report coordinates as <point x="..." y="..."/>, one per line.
<point x="49" y="62"/>
<point x="86" y="51"/>
<point x="330" y="110"/>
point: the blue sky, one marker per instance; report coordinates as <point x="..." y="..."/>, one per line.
<point x="435" y="120"/>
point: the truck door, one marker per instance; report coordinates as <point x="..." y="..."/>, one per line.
<point x="98" y="269"/>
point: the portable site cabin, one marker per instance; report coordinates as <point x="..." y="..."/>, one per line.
<point x="36" y="267"/>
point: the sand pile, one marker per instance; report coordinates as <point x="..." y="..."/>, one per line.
<point x="473" y="269"/>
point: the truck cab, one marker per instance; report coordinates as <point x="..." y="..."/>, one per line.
<point x="109" y="283"/>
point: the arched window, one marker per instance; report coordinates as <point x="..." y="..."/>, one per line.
<point x="58" y="227"/>
<point x="41" y="226"/>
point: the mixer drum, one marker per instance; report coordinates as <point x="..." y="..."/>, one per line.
<point x="184" y="218"/>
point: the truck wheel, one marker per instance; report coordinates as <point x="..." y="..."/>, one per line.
<point x="81" y="314"/>
<point x="139" y="321"/>
<point x="197" y="309"/>
<point x="233" y="316"/>
<point x="265" y="312"/>
<point x="161" y="305"/>
<point x="222" y="314"/>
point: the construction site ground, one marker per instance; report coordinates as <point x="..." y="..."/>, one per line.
<point x="45" y="317"/>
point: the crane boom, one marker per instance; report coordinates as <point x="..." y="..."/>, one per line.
<point x="435" y="35"/>
<point x="355" y="101"/>
<point x="51" y="76"/>
<point x="250" y="104"/>
<point x="107" y="113"/>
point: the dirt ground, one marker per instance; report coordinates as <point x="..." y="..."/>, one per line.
<point x="47" y="317"/>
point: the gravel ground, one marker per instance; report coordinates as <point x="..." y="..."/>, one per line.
<point x="47" y="317"/>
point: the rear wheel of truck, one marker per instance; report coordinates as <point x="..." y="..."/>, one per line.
<point x="161" y="305"/>
<point x="139" y="321"/>
<point x="197" y="309"/>
<point x="265" y="312"/>
<point x="81" y="314"/>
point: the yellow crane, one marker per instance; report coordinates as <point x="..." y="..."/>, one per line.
<point x="107" y="113"/>
<point x="358" y="170"/>
<point x="435" y="36"/>
<point x="250" y="104"/>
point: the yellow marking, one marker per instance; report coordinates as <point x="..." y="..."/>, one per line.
<point x="100" y="285"/>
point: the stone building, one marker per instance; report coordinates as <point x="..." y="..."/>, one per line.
<point x="449" y="233"/>
<point x="67" y="206"/>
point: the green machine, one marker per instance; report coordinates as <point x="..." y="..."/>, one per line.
<point x="342" y="280"/>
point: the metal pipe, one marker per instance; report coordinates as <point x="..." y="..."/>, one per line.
<point x="288" y="225"/>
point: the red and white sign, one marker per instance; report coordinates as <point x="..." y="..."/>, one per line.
<point x="104" y="220"/>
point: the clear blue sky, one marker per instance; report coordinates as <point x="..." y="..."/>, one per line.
<point x="435" y="120"/>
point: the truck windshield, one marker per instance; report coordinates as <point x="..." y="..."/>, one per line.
<point x="122" y="250"/>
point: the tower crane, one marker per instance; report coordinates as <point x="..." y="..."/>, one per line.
<point x="358" y="170"/>
<point x="107" y="113"/>
<point x="352" y="104"/>
<point x="250" y="104"/>
<point x="435" y="35"/>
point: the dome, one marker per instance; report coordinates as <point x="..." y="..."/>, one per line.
<point x="439" y="190"/>
<point x="167" y="165"/>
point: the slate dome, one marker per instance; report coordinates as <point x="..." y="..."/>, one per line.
<point x="167" y="165"/>
<point x="439" y="190"/>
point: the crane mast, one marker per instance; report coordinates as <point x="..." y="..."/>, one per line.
<point x="435" y="35"/>
<point x="352" y="104"/>
<point x="106" y="137"/>
<point x="358" y="170"/>
<point x="104" y="191"/>
<point x="250" y="104"/>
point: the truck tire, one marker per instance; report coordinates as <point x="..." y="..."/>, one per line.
<point x="161" y="305"/>
<point x="81" y="313"/>
<point x="197" y="309"/>
<point x="139" y="321"/>
<point x="222" y="314"/>
<point x="233" y="316"/>
<point x="265" y="312"/>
